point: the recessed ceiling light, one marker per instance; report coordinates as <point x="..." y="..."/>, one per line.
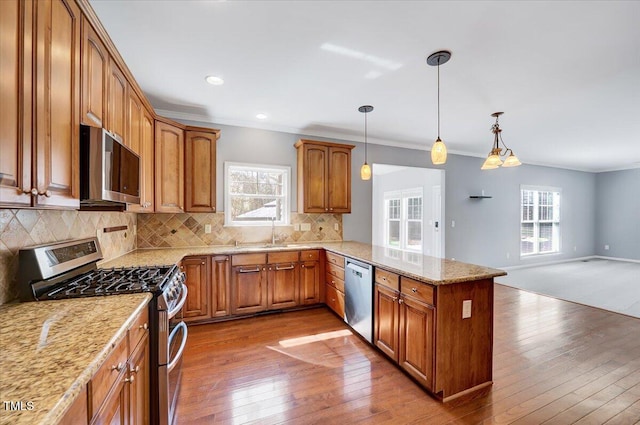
<point x="261" y="116"/>
<point x="213" y="80"/>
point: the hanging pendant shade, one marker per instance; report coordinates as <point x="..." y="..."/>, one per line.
<point x="439" y="149"/>
<point x="365" y="170"/>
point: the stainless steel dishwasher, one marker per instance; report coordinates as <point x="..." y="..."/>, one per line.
<point x="358" y="295"/>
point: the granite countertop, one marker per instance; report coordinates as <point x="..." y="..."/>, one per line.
<point x="432" y="270"/>
<point x="51" y="349"/>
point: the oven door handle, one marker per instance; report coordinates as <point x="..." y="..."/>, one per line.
<point x="183" y="298"/>
<point x="175" y="330"/>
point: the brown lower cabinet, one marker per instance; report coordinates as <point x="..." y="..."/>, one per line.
<point x="222" y="286"/>
<point x="421" y="328"/>
<point x="334" y="282"/>
<point x="119" y="391"/>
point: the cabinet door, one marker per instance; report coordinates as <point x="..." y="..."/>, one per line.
<point x="314" y="184"/>
<point x="283" y="285"/>
<point x="198" y="279"/>
<point x="114" y="409"/>
<point x="133" y="122"/>
<point x="249" y="289"/>
<point x="200" y="178"/>
<point x="386" y="325"/>
<point x="339" y="184"/>
<point x="116" y="102"/>
<point x="146" y="165"/>
<point x="309" y="282"/>
<point x="416" y="340"/>
<point x="95" y="69"/>
<point x="139" y="384"/>
<point x="220" y="285"/>
<point x="169" y="179"/>
<point x="57" y="97"/>
<point x="15" y="92"/>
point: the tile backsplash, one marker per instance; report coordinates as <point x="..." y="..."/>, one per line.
<point x="188" y="229"/>
<point x="26" y="227"/>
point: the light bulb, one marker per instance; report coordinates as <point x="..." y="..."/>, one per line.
<point x="438" y="152"/>
<point x="365" y="172"/>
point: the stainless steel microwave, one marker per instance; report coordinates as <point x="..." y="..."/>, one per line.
<point x="109" y="171"/>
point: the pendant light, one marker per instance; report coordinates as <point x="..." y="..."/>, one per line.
<point x="365" y="170"/>
<point x="493" y="160"/>
<point x="439" y="150"/>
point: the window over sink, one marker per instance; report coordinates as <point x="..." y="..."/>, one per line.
<point x="256" y="194"/>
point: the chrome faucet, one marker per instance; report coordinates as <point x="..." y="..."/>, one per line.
<point x="273" y="230"/>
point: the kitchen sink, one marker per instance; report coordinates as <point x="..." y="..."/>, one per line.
<point x="268" y="246"/>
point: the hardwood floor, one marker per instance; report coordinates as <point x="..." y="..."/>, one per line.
<point x="555" y="362"/>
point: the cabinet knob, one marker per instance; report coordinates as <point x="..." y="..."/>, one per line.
<point x="136" y="370"/>
<point x="46" y="193"/>
<point x="117" y="367"/>
<point x="202" y="263"/>
<point x="394" y="299"/>
<point x="330" y="209"/>
<point x="130" y="379"/>
<point x="33" y="191"/>
<point x="213" y="209"/>
<point x="400" y="301"/>
<point x="144" y="327"/>
<point x="326" y="209"/>
<point x="302" y="266"/>
<point x="414" y="290"/>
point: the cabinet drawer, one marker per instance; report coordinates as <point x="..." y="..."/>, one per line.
<point x="138" y="330"/>
<point x="248" y="259"/>
<point x="336" y="259"/>
<point x="111" y="370"/>
<point x="335" y="282"/>
<point x="418" y="290"/>
<point x="334" y="270"/>
<point x="335" y="300"/>
<point x="282" y="257"/>
<point x="388" y="279"/>
<point x="308" y="255"/>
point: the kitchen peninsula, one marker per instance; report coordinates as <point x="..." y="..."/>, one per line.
<point x="432" y="316"/>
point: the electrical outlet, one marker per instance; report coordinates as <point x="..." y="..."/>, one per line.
<point x="606" y="247"/>
<point x="336" y="227"/>
<point x="207" y="228"/>
<point x="466" y="309"/>
<point x="305" y="227"/>
<point x="453" y="223"/>
<point x="296" y="227"/>
<point x="508" y="255"/>
<point x="135" y="229"/>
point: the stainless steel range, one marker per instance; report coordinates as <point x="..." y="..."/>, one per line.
<point x="69" y="270"/>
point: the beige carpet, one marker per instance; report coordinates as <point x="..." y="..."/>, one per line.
<point x="606" y="284"/>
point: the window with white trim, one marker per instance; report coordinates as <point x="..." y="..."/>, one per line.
<point x="256" y="195"/>
<point x="403" y="219"/>
<point x="539" y="220"/>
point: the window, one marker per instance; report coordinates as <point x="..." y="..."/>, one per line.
<point x="539" y="220"/>
<point x="256" y="195"/>
<point x="403" y="220"/>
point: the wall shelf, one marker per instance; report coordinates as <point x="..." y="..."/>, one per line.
<point x="479" y="197"/>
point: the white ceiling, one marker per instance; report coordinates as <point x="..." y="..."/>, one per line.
<point x="566" y="74"/>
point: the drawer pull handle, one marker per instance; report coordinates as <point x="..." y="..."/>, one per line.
<point x="414" y="290"/>
<point x="257" y="269"/>
<point x="117" y="367"/>
<point x="285" y="268"/>
<point x="144" y="327"/>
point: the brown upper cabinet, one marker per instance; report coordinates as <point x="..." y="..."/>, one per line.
<point x="200" y="177"/>
<point x="140" y="132"/>
<point x="117" y="102"/>
<point x="95" y="70"/>
<point x="169" y="178"/>
<point x="324" y="177"/>
<point x="39" y="137"/>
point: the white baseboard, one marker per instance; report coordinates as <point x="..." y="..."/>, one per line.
<point x="548" y="263"/>
<point x="629" y="260"/>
